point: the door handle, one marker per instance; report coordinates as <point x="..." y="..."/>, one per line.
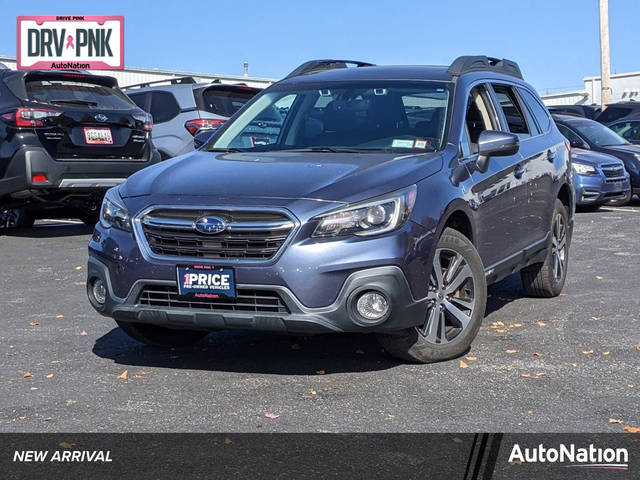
<point x="518" y="172"/>
<point x="551" y="155"/>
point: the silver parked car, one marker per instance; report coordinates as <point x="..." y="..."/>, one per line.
<point x="181" y="107"/>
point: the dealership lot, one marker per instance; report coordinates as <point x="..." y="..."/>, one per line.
<point x="570" y="363"/>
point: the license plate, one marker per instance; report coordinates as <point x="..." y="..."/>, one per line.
<point x="204" y="281"/>
<point x="98" y="136"/>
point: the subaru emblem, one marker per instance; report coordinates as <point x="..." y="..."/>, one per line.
<point x="211" y="225"/>
<point x="101" y="117"/>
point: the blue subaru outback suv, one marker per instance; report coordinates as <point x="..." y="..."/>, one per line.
<point x="347" y="197"/>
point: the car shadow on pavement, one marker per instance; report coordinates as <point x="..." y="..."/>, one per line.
<point x="254" y="352"/>
<point x="53" y="230"/>
<point x="503" y="293"/>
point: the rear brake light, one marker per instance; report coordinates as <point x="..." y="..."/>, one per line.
<point x="30" y="117"/>
<point x="145" y="118"/>
<point x="201" y="124"/>
<point x="38" y="178"/>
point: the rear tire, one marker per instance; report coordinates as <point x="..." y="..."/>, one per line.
<point x="546" y="279"/>
<point x="457" y="298"/>
<point x="156" y="336"/>
<point x="17" y="218"/>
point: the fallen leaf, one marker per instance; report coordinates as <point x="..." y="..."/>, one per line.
<point x="456" y="440"/>
<point x="66" y="444"/>
<point x="33" y="324"/>
<point x="599" y="277"/>
<point x="34" y="388"/>
<point x="606" y="353"/>
<point x="632" y="429"/>
<point x="227" y="441"/>
<point x="516" y="325"/>
<point x="78" y="267"/>
<point x="526" y="375"/>
<point x="320" y="372"/>
<point x="272" y="416"/>
<point x="471" y="359"/>
<point x="574" y="364"/>
<point x="615" y="420"/>
<point x="296" y="346"/>
<point x="501" y="330"/>
<point x="22" y="418"/>
<point x="638" y="348"/>
<point x="565" y="294"/>
<point x="463" y="364"/>
<point x="49" y="376"/>
<point x="142" y="373"/>
<point x="541" y="374"/>
<point x="511" y="352"/>
<point x="616" y="245"/>
<point x="595" y="318"/>
<point x="587" y="352"/>
<point x="313" y="392"/>
<point x="630" y="385"/>
<point x="83" y="333"/>
<point x="123" y="375"/>
<point x="529" y="412"/>
<point x="28" y="375"/>
<point x="537" y="354"/>
<point x="542" y="324"/>
<point x="71" y="402"/>
<point x="59" y="316"/>
<point x="48" y="419"/>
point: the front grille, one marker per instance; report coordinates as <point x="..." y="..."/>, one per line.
<point x="250" y="235"/>
<point x="257" y="301"/>
<point x="613" y="171"/>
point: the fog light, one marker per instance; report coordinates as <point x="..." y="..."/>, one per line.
<point x="99" y="291"/>
<point x="372" y="306"/>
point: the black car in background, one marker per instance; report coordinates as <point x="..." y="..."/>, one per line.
<point x="587" y="111"/>
<point x="617" y="111"/>
<point x="65" y="138"/>
<point x="591" y="135"/>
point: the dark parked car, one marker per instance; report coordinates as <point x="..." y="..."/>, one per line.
<point x="346" y="199"/>
<point x="617" y="111"/>
<point x="590" y="135"/>
<point x="65" y="137"/>
<point x="182" y="107"/>
<point x="628" y="128"/>
<point x="587" y="111"/>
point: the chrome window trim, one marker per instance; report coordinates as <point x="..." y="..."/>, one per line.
<point x="149" y="255"/>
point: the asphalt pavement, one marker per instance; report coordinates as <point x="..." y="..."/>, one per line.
<point x="568" y="364"/>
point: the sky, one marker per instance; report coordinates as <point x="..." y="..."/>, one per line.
<point x="556" y="42"/>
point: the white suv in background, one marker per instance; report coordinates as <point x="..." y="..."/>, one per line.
<point x="181" y="107"/>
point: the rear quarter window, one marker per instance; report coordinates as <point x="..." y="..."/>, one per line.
<point x="77" y="93"/>
<point x="613" y="113"/>
<point x="163" y="107"/>
<point x="226" y="102"/>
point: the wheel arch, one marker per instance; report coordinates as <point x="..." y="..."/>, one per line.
<point x="459" y="216"/>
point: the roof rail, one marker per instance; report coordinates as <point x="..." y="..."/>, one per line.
<point x="172" y="81"/>
<point x="314" y="66"/>
<point x="480" y="63"/>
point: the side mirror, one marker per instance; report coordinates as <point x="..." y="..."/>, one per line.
<point x="492" y="143"/>
<point x="580" y="144"/>
<point x="203" y="137"/>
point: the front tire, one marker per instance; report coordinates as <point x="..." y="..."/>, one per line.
<point x="160" y="336"/>
<point x="457" y="298"/>
<point x="547" y="279"/>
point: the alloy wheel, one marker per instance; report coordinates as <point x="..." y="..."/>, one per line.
<point x="558" y="247"/>
<point x="451" y="297"/>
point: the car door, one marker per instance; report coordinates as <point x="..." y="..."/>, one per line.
<point x="543" y="156"/>
<point x="495" y="194"/>
<point x="529" y="168"/>
<point x="168" y="135"/>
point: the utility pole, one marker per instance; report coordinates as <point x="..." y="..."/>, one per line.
<point x="605" y="57"/>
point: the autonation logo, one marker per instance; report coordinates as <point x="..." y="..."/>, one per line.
<point x="572" y="456"/>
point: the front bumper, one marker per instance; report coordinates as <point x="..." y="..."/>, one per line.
<point x="339" y="316"/>
<point x="598" y="189"/>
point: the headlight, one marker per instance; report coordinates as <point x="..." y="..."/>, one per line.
<point x="372" y="217"/>
<point x="113" y="213"/>
<point x="583" y="169"/>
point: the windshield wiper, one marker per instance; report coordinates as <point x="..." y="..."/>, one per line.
<point x="225" y="150"/>
<point x="323" y="149"/>
<point x="76" y="102"/>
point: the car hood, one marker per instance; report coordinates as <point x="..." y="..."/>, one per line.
<point x="293" y="175"/>
<point x="635" y="149"/>
<point x="589" y="157"/>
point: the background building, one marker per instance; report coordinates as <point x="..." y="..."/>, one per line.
<point x="624" y="87"/>
<point x="130" y="75"/>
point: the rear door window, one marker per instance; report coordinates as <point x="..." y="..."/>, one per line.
<point x="226" y="101"/>
<point x="77" y="93"/>
<point x="512" y="110"/>
<point x="538" y="111"/>
<point x="163" y="107"/>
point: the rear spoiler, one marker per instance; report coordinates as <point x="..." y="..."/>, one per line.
<point x="16" y="79"/>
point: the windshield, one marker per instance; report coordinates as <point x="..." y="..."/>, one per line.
<point x="360" y="117"/>
<point x="226" y="101"/>
<point x="78" y="93"/>
<point x="598" y="134"/>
